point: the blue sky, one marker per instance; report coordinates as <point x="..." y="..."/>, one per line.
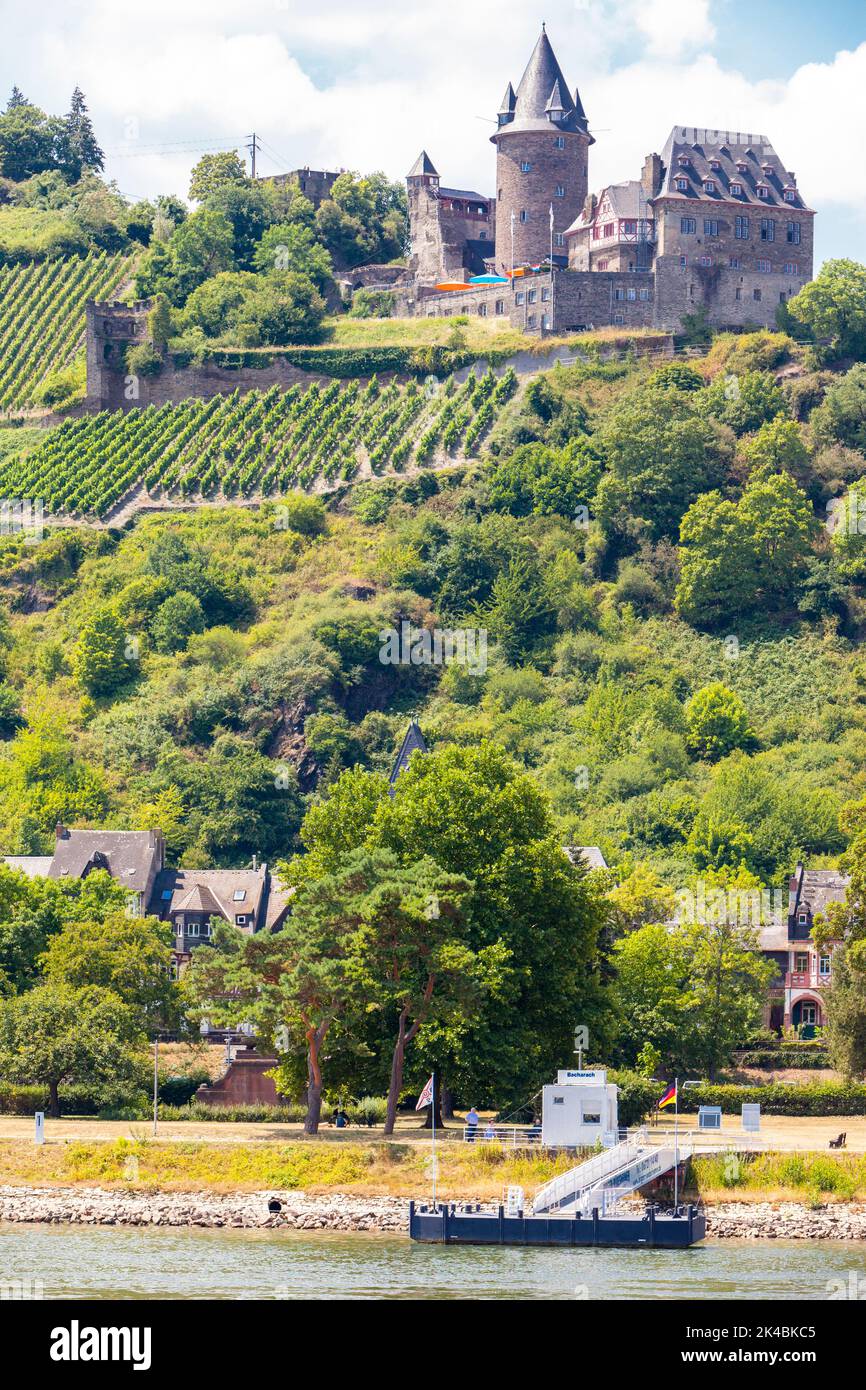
<point x="366" y="83"/>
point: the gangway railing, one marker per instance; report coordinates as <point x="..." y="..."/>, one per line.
<point x="624" y="1168"/>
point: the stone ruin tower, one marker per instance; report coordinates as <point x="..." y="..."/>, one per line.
<point x="542" y="160"/>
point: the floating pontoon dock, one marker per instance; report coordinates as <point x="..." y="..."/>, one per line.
<point x="452" y="1224"/>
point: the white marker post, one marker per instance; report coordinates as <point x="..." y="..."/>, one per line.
<point x="39" y="1132"/>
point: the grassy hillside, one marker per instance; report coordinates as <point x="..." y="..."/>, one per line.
<point x="42" y="318"/>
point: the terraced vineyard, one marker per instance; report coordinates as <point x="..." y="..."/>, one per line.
<point x="42" y="317"/>
<point x="257" y="444"/>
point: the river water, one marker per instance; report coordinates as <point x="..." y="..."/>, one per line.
<point x="124" y="1262"/>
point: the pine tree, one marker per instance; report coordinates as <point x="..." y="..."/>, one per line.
<point x="16" y="99"/>
<point x="79" y="149"/>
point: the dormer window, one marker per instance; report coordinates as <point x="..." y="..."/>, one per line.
<point x="737" y="190"/>
<point x="525" y="166"/>
<point x="742" y="166"/>
<point x="681" y="185"/>
<point x="709" y="185"/>
<point x="762" y="190"/>
<point x="790" y="195"/>
<point x="714" y="164"/>
<point x="683" y="161"/>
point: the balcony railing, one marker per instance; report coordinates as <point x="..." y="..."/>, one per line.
<point x="806" y="979"/>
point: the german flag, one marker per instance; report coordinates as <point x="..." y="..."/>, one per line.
<point x="669" y="1097"/>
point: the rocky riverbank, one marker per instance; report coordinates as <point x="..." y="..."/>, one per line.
<point x="91" y="1206"/>
<point x="786" y="1221"/>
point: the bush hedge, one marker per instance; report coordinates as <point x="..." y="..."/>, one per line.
<point x="813" y="1099"/>
<point x="776" y="1058"/>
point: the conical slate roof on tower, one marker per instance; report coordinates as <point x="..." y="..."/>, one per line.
<point x="543" y="97"/>
<point x="423" y="165"/>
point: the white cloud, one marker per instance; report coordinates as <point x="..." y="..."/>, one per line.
<point x="367" y="85"/>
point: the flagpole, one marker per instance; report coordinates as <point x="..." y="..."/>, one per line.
<point x="552" y="290"/>
<point x="433" y="1116"/>
<point x="676" y="1139"/>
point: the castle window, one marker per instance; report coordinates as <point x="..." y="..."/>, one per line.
<point x="644" y="294"/>
<point x="525" y="166"/>
<point x="768" y="229"/>
<point x="738" y="293"/>
<point x="519" y="297"/>
<point x="756" y="294"/>
<point x="790" y="195"/>
<point x="618" y="318"/>
<point x="629" y="227"/>
<point x="559" y="238"/>
<point x="530" y="322"/>
<point x="482" y="311"/>
<point x="688" y="225"/>
<point x="631" y="294"/>
<point x="684" y="260"/>
<point x="559" y="190"/>
<point x="608" y="229"/>
<point x="741" y="228"/>
<point x="596" y="232"/>
<point x="524" y="215"/>
<point x="545" y="293"/>
<point x="762" y="191"/>
<point x="709" y="185"/>
<point x="602" y="265"/>
<point x="681" y="185"/>
<point x="791" y="268"/>
<point x="559" y="142"/>
<point x="734" y="262"/>
<point x="619" y="292"/>
<point x="706" y="260"/>
<point x="736" y="189"/>
<point x="500" y="306"/>
<point x="823" y="965"/>
<point x="482" y="235"/>
<point x="532" y="296"/>
<point x="793" y="233"/>
<point x="711" y="226"/>
<point x="765" y="267"/>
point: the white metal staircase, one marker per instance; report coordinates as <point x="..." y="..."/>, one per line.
<point x="613" y="1173"/>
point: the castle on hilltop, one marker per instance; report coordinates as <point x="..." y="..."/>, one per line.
<point x="715" y="222"/>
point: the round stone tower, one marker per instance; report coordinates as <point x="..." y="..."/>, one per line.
<point x="542" y="161"/>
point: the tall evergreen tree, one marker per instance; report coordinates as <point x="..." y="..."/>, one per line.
<point x="79" y="149"/>
<point x="16" y="99"/>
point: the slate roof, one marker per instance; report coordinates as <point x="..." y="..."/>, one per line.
<point x="816" y="889"/>
<point x="423" y="165"/>
<point x="130" y="856"/>
<point x="626" y="200"/>
<point x="212" y="891"/>
<point x="759" y="161"/>
<point x="541" y="89"/>
<point x="465" y="193"/>
<point x="33" y="865"/>
<point x="413" y="740"/>
<point x="590" y="855"/>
